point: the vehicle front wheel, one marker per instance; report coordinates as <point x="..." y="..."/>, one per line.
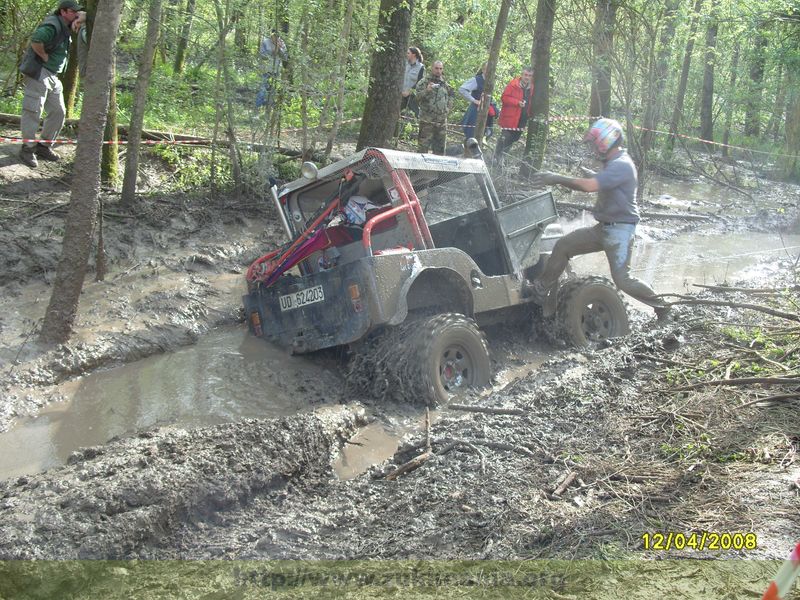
<point x="589" y="310"/>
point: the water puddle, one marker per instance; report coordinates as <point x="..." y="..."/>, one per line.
<point x="230" y="375"/>
<point x="227" y="376"/>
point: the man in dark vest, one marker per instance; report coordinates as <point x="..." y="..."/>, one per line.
<point x="44" y="59"/>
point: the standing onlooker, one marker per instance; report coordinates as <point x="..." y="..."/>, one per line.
<point x="435" y="99"/>
<point x="44" y="59"/>
<point x="616" y="212"/>
<point x="472" y="91"/>
<point x="415" y="71"/>
<point x="272" y="52"/>
<point x="515" y="111"/>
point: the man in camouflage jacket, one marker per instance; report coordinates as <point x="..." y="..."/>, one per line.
<point x="435" y="99"/>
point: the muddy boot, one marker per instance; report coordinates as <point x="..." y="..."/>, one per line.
<point x="26" y="156"/>
<point x="46" y="153"/>
<point x="663" y="314"/>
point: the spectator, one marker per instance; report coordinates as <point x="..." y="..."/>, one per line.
<point x="273" y="54"/>
<point x="435" y="99"/>
<point x="514" y="113"/>
<point x="44" y="59"/>
<point x="472" y="91"/>
<point x="415" y="71"/>
<point x="616" y="212"/>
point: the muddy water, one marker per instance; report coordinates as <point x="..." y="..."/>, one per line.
<point x="230" y="375"/>
<point x="676" y="265"/>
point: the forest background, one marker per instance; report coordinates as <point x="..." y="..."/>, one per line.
<point x="722" y="70"/>
<point x="674" y="72"/>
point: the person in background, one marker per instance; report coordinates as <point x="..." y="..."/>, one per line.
<point x="616" y="212"/>
<point x="514" y="112"/>
<point x="273" y="54"/>
<point x="435" y="98"/>
<point x="44" y="59"/>
<point x="472" y="91"/>
<point x="414" y="72"/>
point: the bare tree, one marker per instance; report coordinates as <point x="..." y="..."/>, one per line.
<point x="63" y="306"/>
<point x="139" y="102"/>
<point x="707" y="96"/>
<point x="536" y="141"/>
<point x="758" y="59"/>
<point x="603" y="45"/>
<point x="494" y="54"/>
<point x="183" y="39"/>
<point x="677" y="112"/>
<point x="382" y="108"/>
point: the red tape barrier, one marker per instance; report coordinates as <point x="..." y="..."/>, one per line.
<point x="451" y="126"/>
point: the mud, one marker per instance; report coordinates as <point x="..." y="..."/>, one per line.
<point x="604" y="427"/>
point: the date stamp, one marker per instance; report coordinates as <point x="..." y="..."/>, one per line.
<point x="699" y="541"/>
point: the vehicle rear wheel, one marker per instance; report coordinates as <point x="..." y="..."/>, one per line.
<point x="589" y="310"/>
<point x="447" y="355"/>
<point x="423" y="360"/>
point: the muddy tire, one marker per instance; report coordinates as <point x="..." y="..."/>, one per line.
<point x="422" y="361"/>
<point x="447" y="355"/>
<point x="589" y="310"/>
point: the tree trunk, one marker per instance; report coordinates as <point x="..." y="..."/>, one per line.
<point x="491" y="67"/>
<point x="139" y="102"/>
<point x="752" y="119"/>
<point x="63" y="306"/>
<point x="603" y="45"/>
<point x="538" y="127"/>
<point x="654" y="102"/>
<point x="707" y="98"/>
<point x="726" y="132"/>
<point x="305" y="84"/>
<point x="382" y="108"/>
<point x="791" y="160"/>
<point x="342" y="72"/>
<point x="774" y="124"/>
<point x="70" y="77"/>
<point x="183" y="39"/>
<point x="677" y="112"/>
<point x="109" y="169"/>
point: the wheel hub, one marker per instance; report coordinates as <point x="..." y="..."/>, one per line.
<point x="455" y="368"/>
<point x="597" y="321"/>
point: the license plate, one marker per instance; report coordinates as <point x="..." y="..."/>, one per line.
<point x="302" y="298"/>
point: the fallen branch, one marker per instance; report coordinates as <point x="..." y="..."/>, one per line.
<point x="725" y="288"/>
<point x="757" y="307"/>
<point x="741" y="381"/>
<point x="565" y="484"/>
<point x="487" y="409"/>
<point x="663" y="360"/>
<point x="411" y="465"/>
<point x="775" y="398"/>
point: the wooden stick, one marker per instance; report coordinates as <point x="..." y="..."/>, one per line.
<point x="487" y="409"/>
<point x="758" y="307"/>
<point x="725" y="288"/>
<point x="565" y="484"/>
<point x="411" y="465"/>
<point x="775" y="398"/>
<point x="740" y="381"/>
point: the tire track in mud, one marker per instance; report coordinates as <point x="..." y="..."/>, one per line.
<point x="120" y="500"/>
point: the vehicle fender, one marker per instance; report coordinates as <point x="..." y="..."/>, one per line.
<point x="439" y="287"/>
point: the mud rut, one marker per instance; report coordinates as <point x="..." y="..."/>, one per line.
<point x="576" y="467"/>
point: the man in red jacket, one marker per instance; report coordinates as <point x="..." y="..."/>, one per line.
<point x="515" y="112"/>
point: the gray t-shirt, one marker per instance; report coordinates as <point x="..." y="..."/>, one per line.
<point x="616" y="198"/>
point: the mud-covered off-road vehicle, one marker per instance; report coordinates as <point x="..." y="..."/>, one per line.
<point x="399" y="256"/>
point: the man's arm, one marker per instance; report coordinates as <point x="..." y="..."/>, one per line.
<point x="38" y="48"/>
<point x="579" y="184"/>
<point x="466" y="90"/>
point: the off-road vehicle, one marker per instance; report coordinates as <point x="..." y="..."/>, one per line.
<point x="399" y="256"/>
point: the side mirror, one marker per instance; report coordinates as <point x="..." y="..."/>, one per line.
<point x="473" y="148"/>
